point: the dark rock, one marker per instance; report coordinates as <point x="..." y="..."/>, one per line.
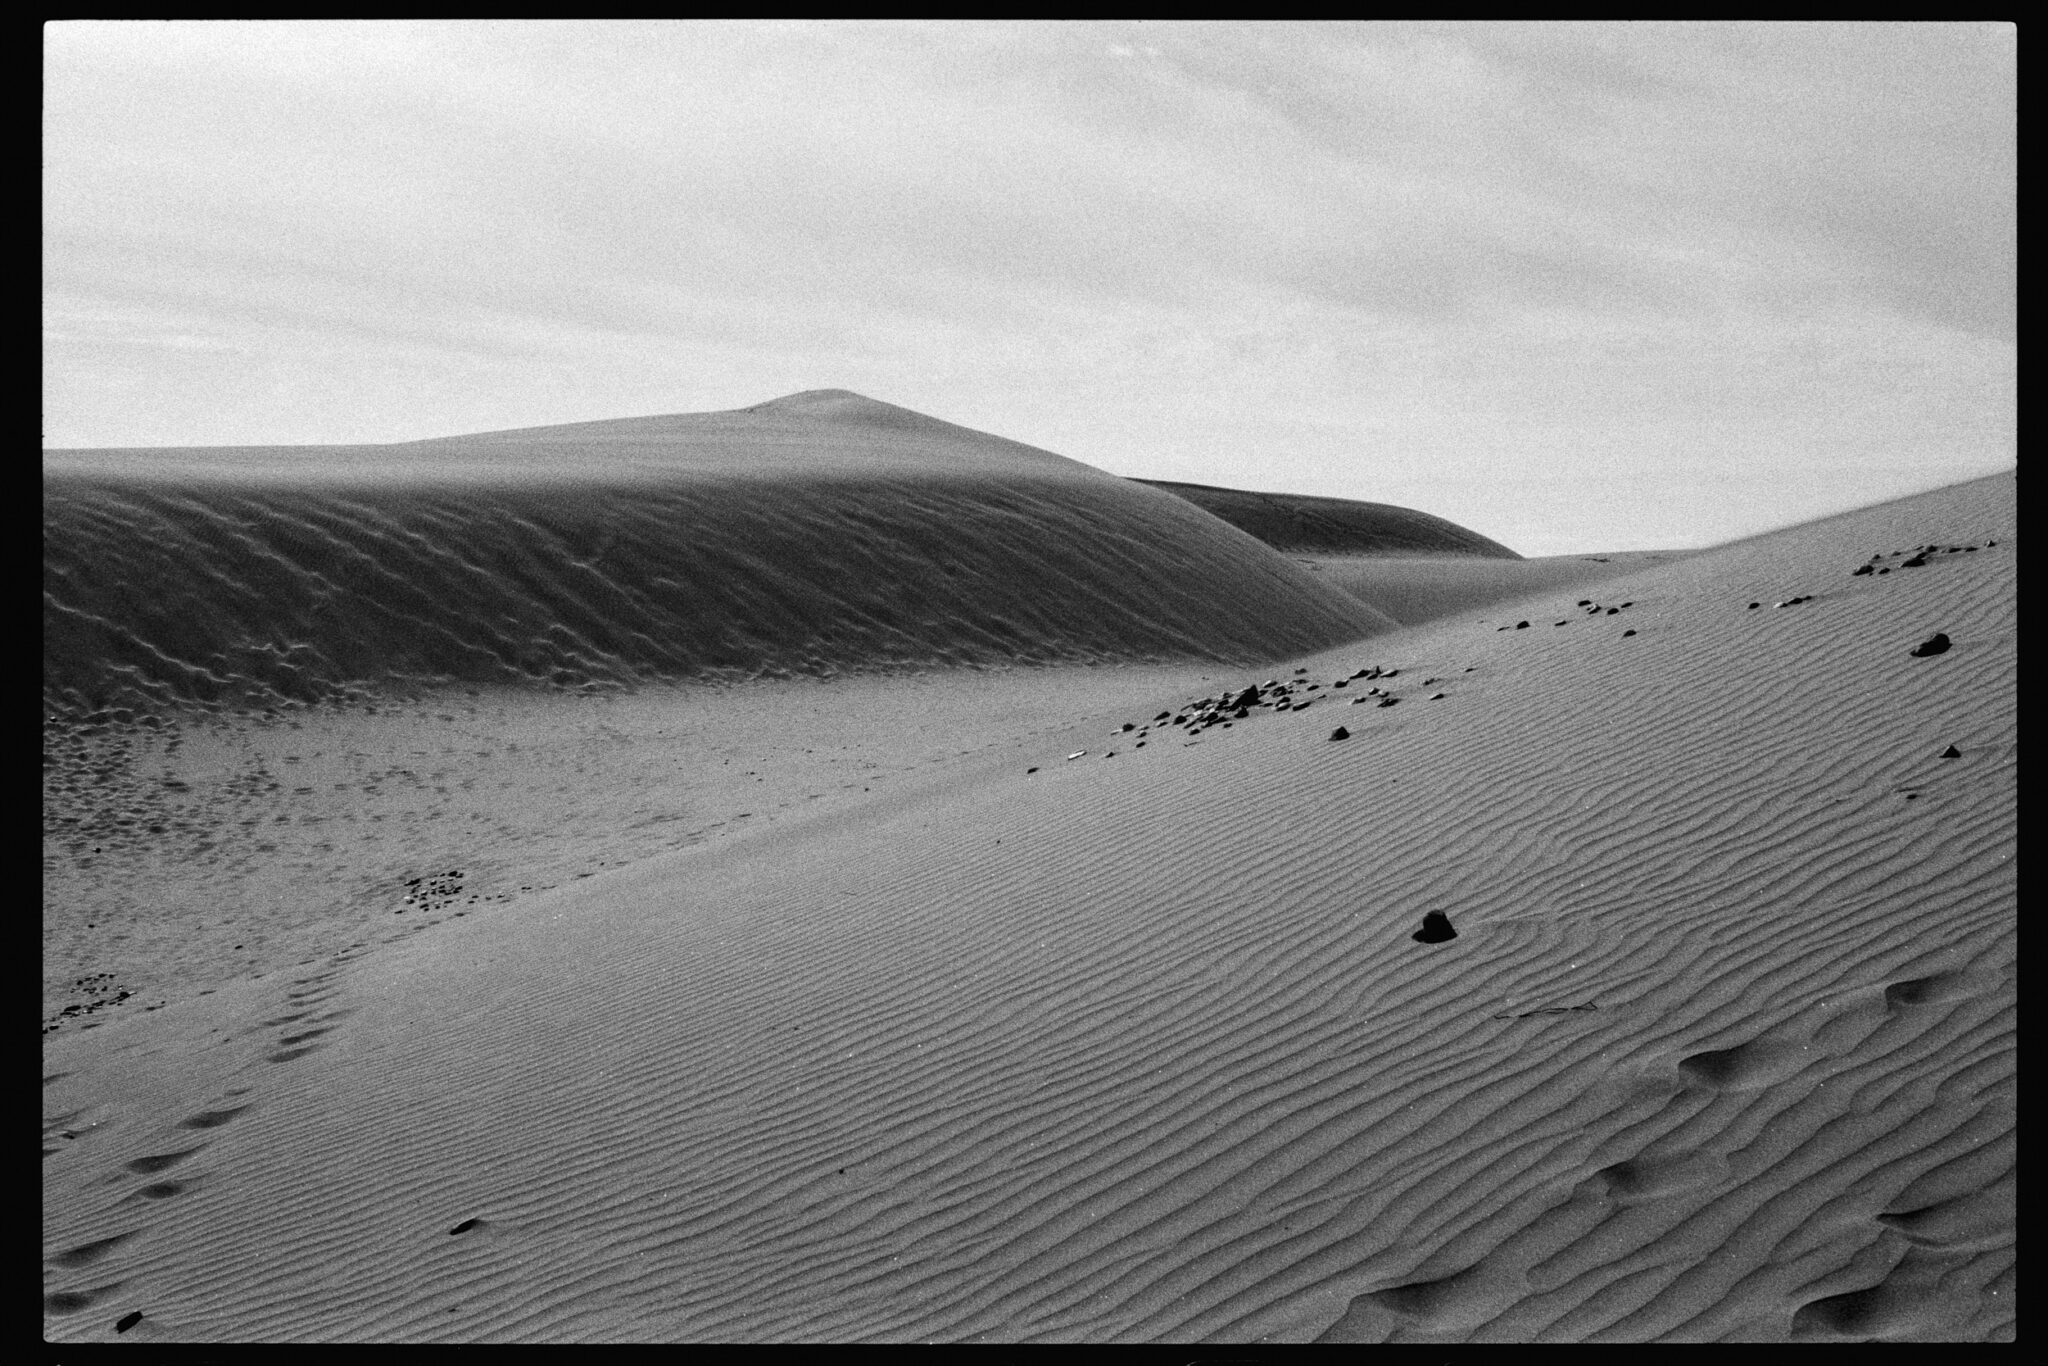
<point x="127" y="1321"/>
<point x="1521" y="626"/>
<point x="1753" y="606"/>
<point x="1585" y="602"/>
<point x="1865" y="569"/>
<point x="1935" y="644"/>
<point x="1951" y="753"/>
<point x="1129" y="726"/>
<point x="1340" y="734"/>
<point x="1436" y="697"/>
<point x="1388" y="701"/>
<point x="1627" y="633"/>
<point x="1436" y="929"/>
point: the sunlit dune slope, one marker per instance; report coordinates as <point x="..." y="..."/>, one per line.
<point x="818" y="533"/>
<point x="1156" y="1047"/>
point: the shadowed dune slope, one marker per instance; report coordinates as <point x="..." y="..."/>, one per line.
<point x="1144" y="1048"/>
<point x="819" y="533"/>
<point x="1299" y="522"/>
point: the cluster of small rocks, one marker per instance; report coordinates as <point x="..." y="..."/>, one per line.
<point x="1916" y="558"/>
<point x="1273" y="695"/>
<point x="432" y="892"/>
<point x="103" y="994"/>
<point x="1590" y="607"/>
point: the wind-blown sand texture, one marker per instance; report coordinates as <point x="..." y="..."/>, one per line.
<point x="1073" y="1032"/>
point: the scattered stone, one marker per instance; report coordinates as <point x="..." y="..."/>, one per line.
<point x="127" y="1321"/>
<point x="1753" y="606"/>
<point x="1951" y="753"/>
<point x="1130" y="725"/>
<point x="1075" y="755"/>
<point x="1935" y="644"/>
<point x="1388" y="701"/>
<point x="1436" y="929"/>
<point x="1030" y="771"/>
<point x="1585" y="602"/>
<point x="1628" y="633"/>
<point x="1340" y="734"/>
<point x="1162" y="716"/>
<point x="1436" y="697"/>
<point x="1521" y="626"/>
<point x="1865" y="569"/>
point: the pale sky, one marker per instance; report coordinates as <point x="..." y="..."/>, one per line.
<point x="1577" y="287"/>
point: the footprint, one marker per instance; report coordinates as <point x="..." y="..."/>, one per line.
<point x="1907" y="1300"/>
<point x="163" y="1190"/>
<point x="1929" y="990"/>
<point x="1748" y="1066"/>
<point x="74" y="1301"/>
<point x="150" y="1166"/>
<point x="85" y="1254"/>
<point x="1646" y="1177"/>
<point x="1979" y="1219"/>
<point x="211" y="1119"/>
<point x="1456" y="1303"/>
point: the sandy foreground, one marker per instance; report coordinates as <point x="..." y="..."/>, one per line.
<point x="854" y="1008"/>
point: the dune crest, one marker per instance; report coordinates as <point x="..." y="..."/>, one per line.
<point x="819" y="533"/>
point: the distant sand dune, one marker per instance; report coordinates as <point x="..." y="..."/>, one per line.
<point x="1301" y="523"/>
<point x="1141" y="1048"/>
<point x="819" y="533"/>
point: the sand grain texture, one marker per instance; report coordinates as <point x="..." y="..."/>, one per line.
<point x="1141" y="1049"/>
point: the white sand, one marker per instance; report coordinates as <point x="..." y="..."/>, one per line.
<point x="1126" y="1049"/>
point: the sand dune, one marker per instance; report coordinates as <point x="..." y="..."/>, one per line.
<point x="1413" y="589"/>
<point x="1297" y="522"/>
<point x="1138" y="1045"/>
<point x="819" y="533"/>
